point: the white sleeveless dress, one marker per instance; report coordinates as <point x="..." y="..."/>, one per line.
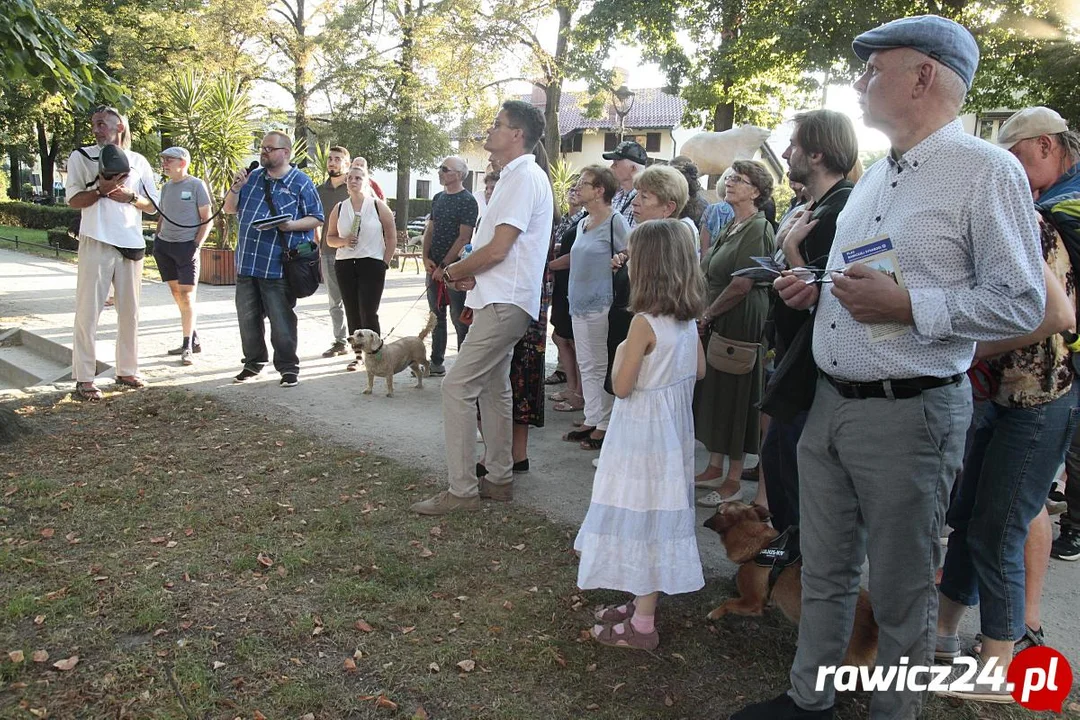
<point x="638" y="535"/>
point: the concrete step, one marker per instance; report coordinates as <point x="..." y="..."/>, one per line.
<point x="28" y="359"/>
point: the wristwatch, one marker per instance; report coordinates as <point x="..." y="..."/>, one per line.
<point x="134" y="199"/>
<point x="446" y="276"/>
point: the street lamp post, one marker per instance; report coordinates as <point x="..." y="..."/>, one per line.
<point x="623" y="101"/>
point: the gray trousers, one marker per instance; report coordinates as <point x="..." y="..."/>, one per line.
<point x="874" y="482"/>
<point x="482" y="373"/>
<point x="337" y="307"/>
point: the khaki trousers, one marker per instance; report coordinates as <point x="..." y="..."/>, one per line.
<point x="482" y="373"/>
<point x="100" y="266"/>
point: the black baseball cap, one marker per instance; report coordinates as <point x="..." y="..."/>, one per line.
<point x="628" y="150"/>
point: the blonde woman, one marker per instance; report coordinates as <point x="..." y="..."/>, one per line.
<point x="362" y="229"/>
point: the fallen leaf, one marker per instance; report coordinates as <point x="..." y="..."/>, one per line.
<point x="218" y="664"/>
<point x="265" y="560"/>
<point x="157" y="540"/>
<point x="258" y="716"/>
<point x="39" y="712"/>
<point x="349" y="665"/>
<point x="592" y="706"/>
<point x="435" y="531"/>
<point x="309" y="716"/>
<point x="362" y="626"/>
<point x="11" y="491"/>
<point x="67" y="664"/>
<point x="508" y="605"/>
<point x="189" y="532"/>
<point x="420" y="714"/>
<point x="171" y="544"/>
<point x="433" y="667"/>
<point x="467" y="665"/>
<point x="39" y="620"/>
<point x="519" y="547"/>
<point x="591" y="667"/>
<point x="616" y="688"/>
<point x="386" y="703"/>
<point x="40" y="656"/>
<point x="16" y="656"/>
<point x="425" y="553"/>
<point x="668" y="701"/>
<point x="357" y="655"/>
<point x="47" y="533"/>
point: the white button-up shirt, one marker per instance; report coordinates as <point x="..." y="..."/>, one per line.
<point x="958" y="212"/>
<point x="522" y="199"/>
<point x="109" y="221"/>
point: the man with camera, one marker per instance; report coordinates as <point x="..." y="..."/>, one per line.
<point x="275" y="189"/>
<point x="113" y="187"/>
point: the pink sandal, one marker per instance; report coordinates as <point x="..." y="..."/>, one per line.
<point x="613" y="614"/>
<point x="628" y="638"/>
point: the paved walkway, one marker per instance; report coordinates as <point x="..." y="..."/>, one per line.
<point x="38" y="294"/>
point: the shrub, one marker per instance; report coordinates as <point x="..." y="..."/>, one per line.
<point x="37" y="217"/>
<point x="417" y="206"/>
<point x="59" y="237"/>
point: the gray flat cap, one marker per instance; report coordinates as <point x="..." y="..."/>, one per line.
<point x="943" y="40"/>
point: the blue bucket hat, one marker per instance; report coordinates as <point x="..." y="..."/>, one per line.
<point x="948" y="42"/>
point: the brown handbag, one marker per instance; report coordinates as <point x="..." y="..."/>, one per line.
<point x="734" y="357"/>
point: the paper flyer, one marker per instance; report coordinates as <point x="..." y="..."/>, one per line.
<point x="879" y="254"/>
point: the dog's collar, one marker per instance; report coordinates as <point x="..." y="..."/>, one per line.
<point x="376" y="350"/>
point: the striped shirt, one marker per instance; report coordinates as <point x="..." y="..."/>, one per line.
<point x="258" y="252"/>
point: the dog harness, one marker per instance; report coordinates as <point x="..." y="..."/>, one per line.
<point x="779" y="554"/>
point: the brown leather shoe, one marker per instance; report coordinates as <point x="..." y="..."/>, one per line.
<point x="445" y="503"/>
<point x="499" y="493"/>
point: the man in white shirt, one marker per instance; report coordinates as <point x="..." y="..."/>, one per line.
<point x="942" y="251"/>
<point x="503" y="275"/>
<point x="111" y="248"/>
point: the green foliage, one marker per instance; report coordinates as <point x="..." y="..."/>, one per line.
<point x="37" y="217"/>
<point x="59" y="237"/>
<point x="211" y="117"/>
<point x="37" y="45"/>
<point x="4" y="182"/>
<point x="418" y="207"/>
<point x="563" y="177"/>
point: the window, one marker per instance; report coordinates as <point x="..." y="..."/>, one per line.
<point x="467" y="183"/>
<point x="610" y="141"/>
<point x="571" y="143"/>
<point x="652" y="142"/>
<point x="986" y="129"/>
<point x="423" y="189"/>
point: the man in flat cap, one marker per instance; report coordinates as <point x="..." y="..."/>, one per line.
<point x="628" y="159"/>
<point x="941" y="251"/>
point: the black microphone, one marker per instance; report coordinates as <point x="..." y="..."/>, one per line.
<point x="253" y="166"/>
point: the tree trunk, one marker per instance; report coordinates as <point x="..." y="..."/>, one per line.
<point x="48" y="158"/>
<point x="12" y="427"/>
<point x="553" y="90"/>
<point x="15" y="188"/>
<point x="405" y="133"/>
<point x="301" y="93"/>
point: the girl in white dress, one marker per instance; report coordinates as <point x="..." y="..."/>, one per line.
<point x="638" y="535"/>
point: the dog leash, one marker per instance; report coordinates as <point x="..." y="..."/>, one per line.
<point x="407" y="311"/>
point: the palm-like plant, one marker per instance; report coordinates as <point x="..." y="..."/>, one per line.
<point x="211" y="117"/>
<point x="563" y="178"/>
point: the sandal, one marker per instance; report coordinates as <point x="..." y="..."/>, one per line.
<point x="556" y="378"/>
<point x="577" y="435"/>
<point x="353" y="366"/>
<point x="1032" y="638"/>
<point x="560" y="396"/>
<point x="592" y="443"/>
<point x="131" y="381"/>
<point x="628" y="638"/>
<point x="613" y="614"/>
<point x="87" y="391"/>
<point x="567" y="406"/>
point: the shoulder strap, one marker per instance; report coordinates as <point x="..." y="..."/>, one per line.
<point x="611" y="233"/>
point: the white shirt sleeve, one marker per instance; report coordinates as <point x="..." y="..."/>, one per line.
<point x="80" y="172"/>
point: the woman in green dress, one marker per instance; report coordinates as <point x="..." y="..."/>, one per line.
<point x="725" y="405"/>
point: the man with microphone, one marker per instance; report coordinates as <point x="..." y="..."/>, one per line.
<point x="262" y="291"/>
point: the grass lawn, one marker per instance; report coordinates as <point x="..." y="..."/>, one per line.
<point x="8" y="232"/>
<point x="202" y="562"/>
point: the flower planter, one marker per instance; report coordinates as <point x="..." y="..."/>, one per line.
<point x="217" y="267"/>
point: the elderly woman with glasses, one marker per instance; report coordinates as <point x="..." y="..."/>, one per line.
<point x="725" y="413"/>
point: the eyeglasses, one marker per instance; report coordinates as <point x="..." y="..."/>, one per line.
<point x="736" y="179"/>
<point x="271" y="149"/>
<point x="498" y="124"/>
<point x="444" y="169"/>
<point x="105" y="109"/>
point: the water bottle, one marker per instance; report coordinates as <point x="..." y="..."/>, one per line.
<point x="465" y="251"/>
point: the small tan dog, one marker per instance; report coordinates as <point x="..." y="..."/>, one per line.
<point x="384" y="360"/>
<point x="744" y="532"/>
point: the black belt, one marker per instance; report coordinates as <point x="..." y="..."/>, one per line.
<point x="898" y="389"/>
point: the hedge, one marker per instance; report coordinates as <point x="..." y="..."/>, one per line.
<point x="418" y="207"/>
<point x="59" y="237"/>
<point x="37" y="217"/>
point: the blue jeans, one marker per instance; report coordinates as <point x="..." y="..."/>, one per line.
<point x="259" y="298"/>
<point x="438" y="335"/>
<point x="1013" y="458"/>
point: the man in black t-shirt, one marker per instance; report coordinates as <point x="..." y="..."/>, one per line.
<point x="449" y="228"/>
<point x="823" y="149"/>
<point x="331" y="193"/>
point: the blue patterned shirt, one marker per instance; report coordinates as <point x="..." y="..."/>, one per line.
<point x="258" y="252"/>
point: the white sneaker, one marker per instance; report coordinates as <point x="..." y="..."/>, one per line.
<point x="714" y="499"/>
<point x="186" y="357"/>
